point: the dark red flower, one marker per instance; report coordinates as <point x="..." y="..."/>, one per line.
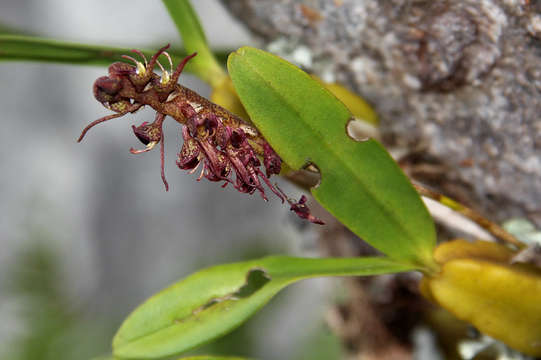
<point x="226" y="148"/>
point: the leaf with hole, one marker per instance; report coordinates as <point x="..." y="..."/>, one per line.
<point x="360" y="183"/>
<point x="214" y="301"/>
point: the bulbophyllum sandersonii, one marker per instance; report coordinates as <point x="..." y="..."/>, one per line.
<point x="215" y="141"/>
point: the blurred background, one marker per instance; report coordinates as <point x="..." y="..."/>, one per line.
<point x="87" y="231"/>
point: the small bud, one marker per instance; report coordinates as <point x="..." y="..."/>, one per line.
<point x="148" y="133"/>
<point x="188" y="157"/>
<point x="237" y="138"/>
<point x="120" y="69"/>
<point x="271" y="160"/>
<point x="301" y="209"/>
<point x="106" y="88"/>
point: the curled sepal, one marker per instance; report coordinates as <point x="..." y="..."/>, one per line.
<point x="150" y="135"/>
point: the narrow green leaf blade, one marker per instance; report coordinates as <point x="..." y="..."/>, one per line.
<point x="204" y="64"/>
<point x="5" y="29"/>
<point x="214" y="301"/>
<point x="360" y="183"/>
<point x="31" y="48"/>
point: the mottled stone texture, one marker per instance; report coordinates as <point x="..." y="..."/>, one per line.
<point x="458" y="82"/>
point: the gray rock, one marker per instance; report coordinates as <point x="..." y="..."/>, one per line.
<point x="456" y="81"/>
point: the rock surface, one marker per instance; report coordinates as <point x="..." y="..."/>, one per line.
<point x="457" y="82"/>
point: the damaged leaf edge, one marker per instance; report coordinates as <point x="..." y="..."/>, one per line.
<point x="280" y="271"/>
<point x="417" y="242"/>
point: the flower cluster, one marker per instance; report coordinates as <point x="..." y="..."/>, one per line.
<point x="225" y="148"/>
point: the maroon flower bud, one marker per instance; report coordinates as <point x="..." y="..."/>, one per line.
<point x="120" y="69"/>
<point x="222" y="167"/>
<point x="273" y="163"/>
<point x="106" y="88"/>
<point x="148" y="133"/>
<point x="222" y="135"/>
<point x="188" y="158"/>
<point x="211" y="124"/>
<point x="217" y="162"/>
<point x="301" y="209"/>
<point x="237" y="138"/>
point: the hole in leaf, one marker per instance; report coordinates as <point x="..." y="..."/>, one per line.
<point x="304" y="178"/>
<point x="360" y="131"/>
<point x="313" y="173"/>
<point x="307" y="177"/>
<point x="312" y="168"/>
<point x="255" y="280"/>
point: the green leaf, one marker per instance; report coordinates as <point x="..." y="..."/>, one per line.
<point x="360" y="183"/>
<point x="204" y="64"/>
<point x="31" y="48"/>
<point x="5" y="29"/>
<point x="214" y="301"/>
<point x="17" y="47"/>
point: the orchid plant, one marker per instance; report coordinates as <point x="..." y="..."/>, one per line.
<point x="269" y="115"/>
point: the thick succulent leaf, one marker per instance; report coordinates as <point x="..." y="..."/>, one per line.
<point x="31" y="48"/>
<point x="204" y="64"/>
<point x="360" y="182"/>
<point x="214" y="301"/>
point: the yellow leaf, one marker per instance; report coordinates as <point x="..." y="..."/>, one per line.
<point x="479" y="285"/>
